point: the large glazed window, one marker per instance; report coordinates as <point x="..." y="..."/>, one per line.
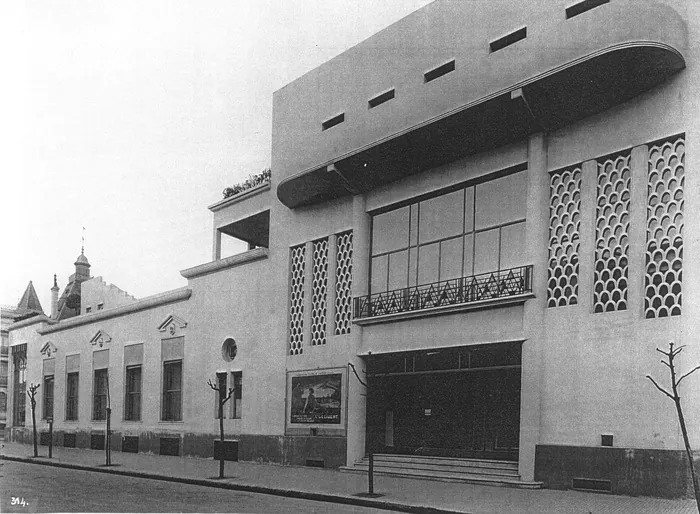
<point x="172" y="391"/>
<point x="468" y="231"/>
<point x="664" y="242"/>
<point x="132" y="395"/>
<point x="99" y="396"/>
<point x="72" y="384"/>
<point x="612" y="229"/>
<point x="48" y="397"/>
<point x="564" y="229"/>
<point x="19" y="384"/>
<point x="296" y="300"/>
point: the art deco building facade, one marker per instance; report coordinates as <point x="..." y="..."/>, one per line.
<point x="487" y="211"/>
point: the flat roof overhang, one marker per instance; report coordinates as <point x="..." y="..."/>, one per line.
<point x="254" y="229"/>
<point x="547" y="102"/>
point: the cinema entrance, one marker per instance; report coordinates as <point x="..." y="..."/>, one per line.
<point x="448" y="402"/>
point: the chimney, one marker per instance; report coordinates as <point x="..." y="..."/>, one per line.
<point x="54" y="299"/>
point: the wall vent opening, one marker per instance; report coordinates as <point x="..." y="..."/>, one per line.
<point x="584" y="6"/>
<point x="315" y="463"/>
<point x="170" y="446"/>
<point x="508" y="40"/>
<point x="592" y="484"/>
<point x="606" y="440"/>
<point x="439" y="71"/>
<point x="69" y="440"/>
<point x="97" y="441"/>
<point x="44" y="438"/>
<point x="130" y="444"/>
<point x="380" y="99"/>
<point x="335" y="120"/>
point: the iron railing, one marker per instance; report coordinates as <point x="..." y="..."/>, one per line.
<point x="486" y="286"/>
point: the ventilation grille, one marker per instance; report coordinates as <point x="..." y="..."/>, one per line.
<point x="564" y="229"/>
<point x="296" y="301"/>
<point x="319" y="292"/>
<point x="315" y="463"/>
<point x="343" y="284"/>
<point x="170" y="446"/>
<point x="591" y="484"/>
<point x="130" y="444"/>
<point x="612" y="229"/>
<point x="664" y="251"/>
<point x="97" y="441"/>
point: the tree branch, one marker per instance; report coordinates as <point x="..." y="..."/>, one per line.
<point x="355" y="372"/>
<point x="660" y="388"/>
<point x="663" y="352"/>
<point x="666" y="363"/>
<point x="689" y="372"/>
<point x="212" y="385"/>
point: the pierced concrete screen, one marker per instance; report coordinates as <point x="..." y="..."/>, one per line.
<point x="343" y="284"/>
<point x="612" y="229"/>
<point x="296" y="301"/>
<point x="564" y="229"/>
<point x="664" y="250"/>
<point x="319" y="292"/>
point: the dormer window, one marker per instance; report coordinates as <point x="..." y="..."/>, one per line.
<point x="100" y="306"/>
<point x="88" y="310"/>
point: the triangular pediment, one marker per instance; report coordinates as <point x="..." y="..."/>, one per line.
<point x="172" y="326"/>
<point x="49" y="349"/>
<point x="100" y="339"/>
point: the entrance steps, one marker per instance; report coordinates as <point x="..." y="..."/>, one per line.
<point x="446" y="469"/>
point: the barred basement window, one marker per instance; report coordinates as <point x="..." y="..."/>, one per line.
<point x="664" y="250"/>
<point x="564" y="229"/>
<point x="343" y="284"/>
<point x="319" y="292"/>
<point x="296" y="300"/>
<point x="612" y="229"/>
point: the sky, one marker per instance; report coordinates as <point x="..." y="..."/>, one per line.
<point x="129" y="119"/>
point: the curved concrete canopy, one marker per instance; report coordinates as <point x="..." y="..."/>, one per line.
<point x="620" y="69"/>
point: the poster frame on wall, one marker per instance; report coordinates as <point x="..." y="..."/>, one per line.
<point x="302" y="418"/>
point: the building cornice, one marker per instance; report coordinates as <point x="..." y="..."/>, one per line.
<point x="150" y="302"/>
<point x="222" y="264"/>
<point x="253" y="191"/>
<point x="41" y="318"/>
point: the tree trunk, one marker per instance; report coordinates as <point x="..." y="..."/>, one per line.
<point x="689" y="450"/>
<point x="221" y="428"/>
<point x="36" y="449"/>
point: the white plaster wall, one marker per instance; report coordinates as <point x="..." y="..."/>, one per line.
<point x="96" y="290"/>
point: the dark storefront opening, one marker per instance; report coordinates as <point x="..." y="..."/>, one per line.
<point x="450" y="402"/>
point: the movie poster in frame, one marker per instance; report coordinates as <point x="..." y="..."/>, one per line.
<point x="316" y="399"/>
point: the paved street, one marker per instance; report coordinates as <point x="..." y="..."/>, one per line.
<point x="50" y="489"/>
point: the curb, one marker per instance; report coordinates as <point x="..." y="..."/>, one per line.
<point x="287" y="493"/>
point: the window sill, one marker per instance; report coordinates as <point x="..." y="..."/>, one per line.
<point x="180" y="422"/>
<point x="447" y="309"/>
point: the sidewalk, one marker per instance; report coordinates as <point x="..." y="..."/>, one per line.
<point x="407" y="495"/>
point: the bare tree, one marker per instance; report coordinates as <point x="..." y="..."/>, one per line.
<point x="671" y="354"/>
<point x="223" y="398"/>
<point x="32" y="399"/>
<point x="370" y="449"/>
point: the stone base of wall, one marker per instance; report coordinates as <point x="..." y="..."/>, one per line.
<point x="287" y="450"/>
<point x="627" y="471"/>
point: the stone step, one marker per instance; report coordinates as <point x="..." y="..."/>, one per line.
<point x="420" y="460"/>
<point x="430" y="467"/>
<point x="467" y="478"/>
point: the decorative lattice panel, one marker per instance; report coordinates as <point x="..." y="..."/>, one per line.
<point x="564" y="227"/>
<point x="319" y="292"/>
<point x="612" y="229"/>
<point x="664" y="251"/>
<point x="343" y="284"/>
<point x="296" y="301"/>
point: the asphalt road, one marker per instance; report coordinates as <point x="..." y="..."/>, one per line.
<point x="36" y="488"/>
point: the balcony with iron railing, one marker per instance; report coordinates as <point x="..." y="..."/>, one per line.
<point x="504" y="287"/>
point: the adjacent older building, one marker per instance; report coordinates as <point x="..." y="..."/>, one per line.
<point x="478" y="230"/>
